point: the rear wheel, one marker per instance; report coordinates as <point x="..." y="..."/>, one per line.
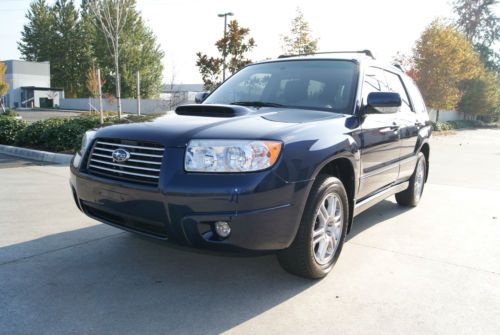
<point x="321" y="234"/>
<point x="411" y="196"/>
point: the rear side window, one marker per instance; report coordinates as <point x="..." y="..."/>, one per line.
<point x="416" y="96"/>
<point x="395" y="84"/>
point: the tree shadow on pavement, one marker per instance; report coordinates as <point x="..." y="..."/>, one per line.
<point x="120" y="283"/>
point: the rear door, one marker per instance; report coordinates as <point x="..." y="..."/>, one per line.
<point x="379" y="139"/>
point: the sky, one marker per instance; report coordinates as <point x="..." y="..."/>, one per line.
<point x="188" y="26"/>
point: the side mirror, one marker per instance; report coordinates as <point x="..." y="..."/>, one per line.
<point x="200" y="97"/>
<point x="383" y="102"/>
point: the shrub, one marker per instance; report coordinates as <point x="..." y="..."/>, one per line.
<point x="9" y="112"/>
<point x="458" y="124"/>
<point x="64" y="134"/>
<point x="68" y="136"/>
<point x="9" y="128"/>
<point x="442" y="126"/>
<point x="34" y="135"/>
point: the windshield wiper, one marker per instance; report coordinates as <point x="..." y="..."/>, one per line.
<point x="256" y="104"/>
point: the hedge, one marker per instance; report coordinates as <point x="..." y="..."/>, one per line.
<point x="56" y="134"/>
<point x="458" y="124"/>
<point x="9" y="128"/>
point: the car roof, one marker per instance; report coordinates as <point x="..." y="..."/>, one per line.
<point x="359" y="57"/>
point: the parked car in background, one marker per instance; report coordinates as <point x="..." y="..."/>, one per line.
<point x="281" y="157"/>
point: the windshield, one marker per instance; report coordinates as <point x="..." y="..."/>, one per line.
<point x="309" y="84"/>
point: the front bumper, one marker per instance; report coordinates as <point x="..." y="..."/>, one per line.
<point x="263" y="210"/>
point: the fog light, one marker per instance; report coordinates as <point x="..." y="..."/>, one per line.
<point x="222" y="229"/>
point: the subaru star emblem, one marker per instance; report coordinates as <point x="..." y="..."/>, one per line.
<point x="120" y="155"/>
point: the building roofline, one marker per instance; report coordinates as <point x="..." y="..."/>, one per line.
<point x="42" y="88"/>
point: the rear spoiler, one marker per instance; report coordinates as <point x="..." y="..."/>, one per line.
<point x="211" y="110"/>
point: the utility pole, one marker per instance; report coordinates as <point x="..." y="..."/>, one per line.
<point x="224" y="54"/>
<point x="101" y="114"/>
<point x="138" y="94"/>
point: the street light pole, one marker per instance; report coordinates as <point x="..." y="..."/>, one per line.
<point x="224" y="15"/>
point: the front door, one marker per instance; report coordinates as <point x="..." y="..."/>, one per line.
<point x="379" y="140"/>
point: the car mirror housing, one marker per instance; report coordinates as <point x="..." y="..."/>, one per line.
<point x="383" y="102"/>
<point x="200" y="97"/>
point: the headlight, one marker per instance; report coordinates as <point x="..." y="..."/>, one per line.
<point x="230" y="155"/>
<point x="87" y="139"/>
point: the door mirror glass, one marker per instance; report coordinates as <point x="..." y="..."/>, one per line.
<point x="200" y="97"/>
<point x="383" y="102"/>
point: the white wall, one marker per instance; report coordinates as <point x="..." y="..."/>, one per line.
<point x="148" y="106"/>
<point x="55" y="95"/>
<point x="444" y="115"/>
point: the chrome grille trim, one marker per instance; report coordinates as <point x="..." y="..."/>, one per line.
<point x="118" y="145"/>
<point x="143" y="166"/>
<point x="130" y="160"/>
<point x="124" y="172"/>
<point x="124" y="165"/>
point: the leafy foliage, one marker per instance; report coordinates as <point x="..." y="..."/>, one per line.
<point x="481" y="96"/>
<point x="480" y="25"/>
<point x="37" y="35"/>
<point x="444" y="58"/>
<point x="9" y="127"/>
<point x="68" y="37"/>
<point x="57" y="134"/>
<point x="235" y="45"/>
<point x="4" y="87"/>
<point x="299" y="42"/>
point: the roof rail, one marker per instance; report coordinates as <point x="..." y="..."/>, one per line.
<point x="366" y="52"/>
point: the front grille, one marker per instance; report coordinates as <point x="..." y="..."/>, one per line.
<point x="143" y="166"/>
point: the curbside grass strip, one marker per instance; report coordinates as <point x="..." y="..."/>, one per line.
<point x="44" y="156"/>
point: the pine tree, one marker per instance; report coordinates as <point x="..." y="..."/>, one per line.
<point x="299" y="42"/>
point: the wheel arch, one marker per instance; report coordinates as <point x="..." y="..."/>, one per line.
<point x="426" y="150"/>
<point x="343" y="168"/>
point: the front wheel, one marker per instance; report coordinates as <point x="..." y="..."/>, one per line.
<point x="411" y="196"/>
<point x="322" y="231"/>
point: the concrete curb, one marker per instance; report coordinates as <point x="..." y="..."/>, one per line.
<point x="44" y="156"/>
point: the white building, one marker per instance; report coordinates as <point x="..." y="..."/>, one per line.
<point x="29" y="85"/>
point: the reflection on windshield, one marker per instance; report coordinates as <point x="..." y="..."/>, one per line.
<point x="309" y="84"/>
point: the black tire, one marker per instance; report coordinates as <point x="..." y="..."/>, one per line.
<point x="299" y="258"/>
<point x="409" y="197"/>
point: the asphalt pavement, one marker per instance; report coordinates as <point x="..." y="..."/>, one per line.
<point x="434" y="269"/>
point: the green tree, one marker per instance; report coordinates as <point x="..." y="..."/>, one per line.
<point x="481" y="96"/>
<point x="69" y="38"/>
<point x="299" y="42"/>
<point x="4" y="87"/>
<point x="443" y="59"/>
<point x="138" y="51"/>
<point x="37" y="35"/>
<point x="235" y="45"/>
<point x="53" y="33"/>
<point x="480" y="25"/>
<point x="70" y="56"/>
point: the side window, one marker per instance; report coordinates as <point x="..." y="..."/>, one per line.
<point x="374" y="82"/>
<point x="396" y="85"/>
<point x="416" y="96"/>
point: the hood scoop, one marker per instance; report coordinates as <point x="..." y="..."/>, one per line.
<point x="212" y="110"/>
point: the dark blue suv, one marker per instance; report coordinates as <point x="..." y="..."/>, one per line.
<point x="281" y="157"/>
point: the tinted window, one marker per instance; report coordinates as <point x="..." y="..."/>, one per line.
<point x="310" y="84"/>
<point x="395" y="84"/>
<point x="374" y="81"/>
<point x="416" y="97"/>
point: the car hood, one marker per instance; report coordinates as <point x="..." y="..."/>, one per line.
<point x="258" y="123"/>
